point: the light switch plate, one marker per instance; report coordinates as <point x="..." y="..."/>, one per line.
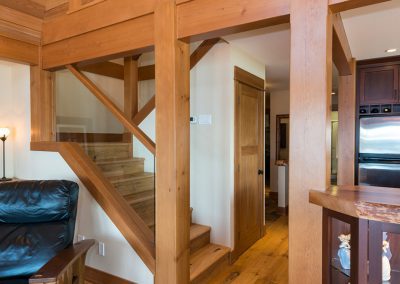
<point x="205" y="119"/>
<point x="102" y="249"/>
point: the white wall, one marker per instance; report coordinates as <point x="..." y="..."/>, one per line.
<point x="279" y="105"/>
<point x="120" y="259"/>
<point x="76" y="105"/>
<point x="212" y="146"/>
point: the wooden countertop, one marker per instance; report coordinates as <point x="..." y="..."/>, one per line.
<point x="365" y="202"/>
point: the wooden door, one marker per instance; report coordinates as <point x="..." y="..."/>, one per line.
<point x="379" y="85"/>
<point x="249" y="147"/>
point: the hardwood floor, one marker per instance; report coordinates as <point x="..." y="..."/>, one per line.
<point x="265" y="262"/>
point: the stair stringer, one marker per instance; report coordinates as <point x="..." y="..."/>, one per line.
<point x="129" y="223"/>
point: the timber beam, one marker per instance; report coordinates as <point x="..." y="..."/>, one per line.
<point x="19" y="51"/>
<point x="337" y="6"/>
<point x="65" y="42"/>
<point x="341" y="55"/>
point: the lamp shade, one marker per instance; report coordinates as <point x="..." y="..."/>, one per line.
<point x="4" y="132"/>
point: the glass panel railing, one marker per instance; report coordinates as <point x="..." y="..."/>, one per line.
<point x="123" y="159"/>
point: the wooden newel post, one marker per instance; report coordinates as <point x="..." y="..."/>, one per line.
<point x="173" y="148"/>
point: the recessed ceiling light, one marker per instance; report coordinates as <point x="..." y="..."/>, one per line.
<point x="391" y="50"/>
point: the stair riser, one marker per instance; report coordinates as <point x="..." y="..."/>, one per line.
<point x="108" y="152"/>
<point x="146" y="211"/>
<point x="209" y="274"/>
<point x="133" y="186"/>
<point x="199" y="242"/>
<point x="125" y="168"/>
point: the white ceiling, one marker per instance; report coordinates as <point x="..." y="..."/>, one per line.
<point x="373" y="29"/>
<point x="271" y="46"/>
<point x="370" y="30"/>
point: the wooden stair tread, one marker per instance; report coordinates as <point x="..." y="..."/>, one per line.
<point x="196" y="230"/>
<point x="205" y="258"/>
<point x="102" y="144"/>
<point x="118" y="161"/>
<point x="134" y="201"/>
<point x="130" y="177"/>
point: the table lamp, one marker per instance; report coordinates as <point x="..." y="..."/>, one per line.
<point x="4" y="132"/>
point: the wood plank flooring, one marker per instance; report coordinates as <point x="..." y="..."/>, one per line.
<point x="265" y="262"/>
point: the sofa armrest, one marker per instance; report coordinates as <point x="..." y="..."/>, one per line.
<point x="66" y="265"/>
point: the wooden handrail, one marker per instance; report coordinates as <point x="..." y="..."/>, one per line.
<point x="132" y="227"/>
<point x="126" y="121"/>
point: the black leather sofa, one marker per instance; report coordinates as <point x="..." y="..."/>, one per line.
<point x="37" y="222"/>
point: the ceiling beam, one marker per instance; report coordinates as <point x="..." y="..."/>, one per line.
<point x="18" y="51"/>
<point x="341" y="53"/>
<point x="29" y="7"/>
<point x="98" y="16"/>
<point x="108" y="69"/>
<point x="203" y="19"/>
<point x="337" y="6"/>
<point x="123" y="39"/>
<point x="68" y="40"/>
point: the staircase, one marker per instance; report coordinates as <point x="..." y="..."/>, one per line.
<point x="127" y="175"/>
<point x="205" y="257"/>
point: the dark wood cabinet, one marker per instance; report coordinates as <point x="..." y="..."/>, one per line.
<point x="379" y="85"/>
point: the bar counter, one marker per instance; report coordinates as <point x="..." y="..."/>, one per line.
<point x="380" y="204"/>
<point x="363" y="221"/>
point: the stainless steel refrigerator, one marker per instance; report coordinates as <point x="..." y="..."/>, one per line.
<point x="379" y="151"/>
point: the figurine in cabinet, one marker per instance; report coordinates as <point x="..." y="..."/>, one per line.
<point x="344" y="251"/>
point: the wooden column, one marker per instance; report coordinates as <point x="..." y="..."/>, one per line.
<point x="42" y="105"/>
<point x="131" y="87"/>
<point x="310" y="134"/>
<point x="172" y="152"/>
<point x="347" y="127"/>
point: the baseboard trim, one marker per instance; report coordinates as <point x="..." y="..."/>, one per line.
<point x="96" y="276"/>
<point x="283" y="211"/>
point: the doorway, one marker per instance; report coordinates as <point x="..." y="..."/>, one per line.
<point x="249" y="160"/>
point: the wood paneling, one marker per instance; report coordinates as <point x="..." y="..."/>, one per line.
<point x="132" y="227"/>
<point x="96" y="276"/>
<point x="341" y="53"/>
<point x="309" y="158"/>
<point x="124" y="119"/>
<point x="35" y="8"/>
<point x="42" y="105"/>
<point x="208" y="18"/>
<point x="18" y="51"/>
<point x="131" y="92"/>
<point x="173" y="162"/>
<point x="347" y="127"/>
<point x="343" y="5"/>
<point x="138" y="36"/>
<point x="104" y="14"/>
<point x="109" y="69"/>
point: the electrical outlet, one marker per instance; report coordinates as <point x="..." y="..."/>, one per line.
<point x="102" y="249"/>
<point x="81" y="238"/>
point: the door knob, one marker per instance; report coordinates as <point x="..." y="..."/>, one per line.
<point x="260" y="172"/>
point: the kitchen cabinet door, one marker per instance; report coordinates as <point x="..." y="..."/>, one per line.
<point x="379" y="85"/>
